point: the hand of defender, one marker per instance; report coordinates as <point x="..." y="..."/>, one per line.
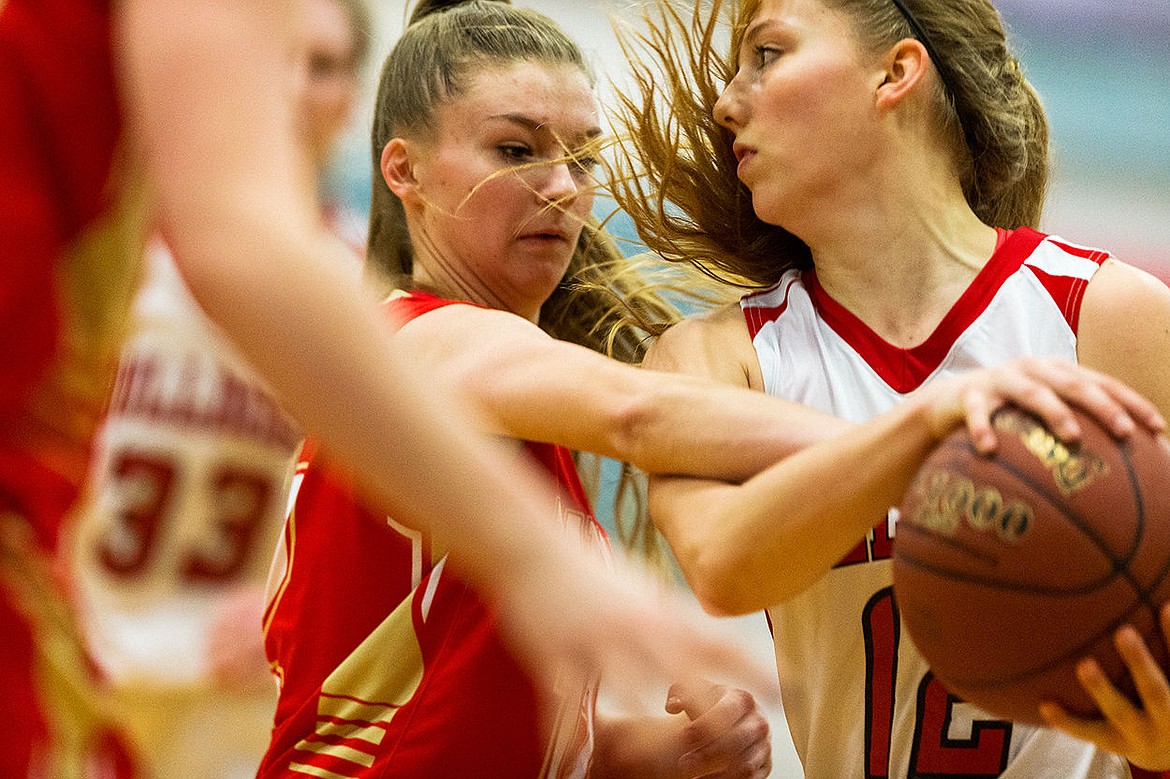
<point x="1047" y="388"/>
<point x="1140" y="734"/>
<point x="728" y="734"/>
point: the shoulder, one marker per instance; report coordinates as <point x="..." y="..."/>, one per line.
<point x="715" y="344"/>
<point x="1123" y="290"/>
<point x="440" y="334"/>
<point x="1122" y="301"/>
<point x="1125" y="329"/>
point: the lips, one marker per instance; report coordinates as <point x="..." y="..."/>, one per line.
<point x="545" y="234"/>
<point x="743" y="154"/>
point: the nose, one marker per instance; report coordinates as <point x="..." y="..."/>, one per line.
<point x="728" y="109"/>
<point x="559" y="185"/>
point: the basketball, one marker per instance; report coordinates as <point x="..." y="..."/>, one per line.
<point x="1010" y="568"/>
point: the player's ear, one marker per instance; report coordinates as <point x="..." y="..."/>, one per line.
<point x="398" y="170"/>
<point x="903" y="67"/>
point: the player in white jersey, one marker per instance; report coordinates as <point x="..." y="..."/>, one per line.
<point x="190" y="479"/>
<point x="875" y="168"/>
<point x="1025" y="302"/>
<point x="190" y="485"/>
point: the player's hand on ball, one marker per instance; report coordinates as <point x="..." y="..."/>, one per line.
<point x="1140" y="734"/>
<point x="728" y="734"/>
<point x="1045" y="387"/>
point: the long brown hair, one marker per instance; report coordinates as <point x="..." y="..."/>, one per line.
<point x="678" y="174"/>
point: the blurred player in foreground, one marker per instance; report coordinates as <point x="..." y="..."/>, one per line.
<point x="199" y="123"/>
<point x="190" y="484"/>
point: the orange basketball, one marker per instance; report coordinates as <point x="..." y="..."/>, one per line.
<point x="1009" y="568"/>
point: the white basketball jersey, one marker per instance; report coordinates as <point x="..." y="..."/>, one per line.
<point x="189" y="488"/>
<point x="860" y="701"/>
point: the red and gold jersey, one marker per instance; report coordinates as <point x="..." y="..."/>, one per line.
<point x="389" y="665"/>
<point x="70" y="239"/>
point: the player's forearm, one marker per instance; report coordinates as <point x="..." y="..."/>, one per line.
<point x="673" y="423"/>
<point x="662" y="422"/>
<point x="746" y="547"/>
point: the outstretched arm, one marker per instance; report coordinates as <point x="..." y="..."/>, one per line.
<point x="746" y="546"/>
<point x="208" y="97"/>
<point x="527" y="385"/>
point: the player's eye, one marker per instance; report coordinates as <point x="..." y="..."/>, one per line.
<point x="584" y="163"/>
<point x="515" y="152"/>
<point x="766" y="54"/>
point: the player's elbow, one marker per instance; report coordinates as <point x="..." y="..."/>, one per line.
<point x="731" y="580"/>
<point x="715" y="578"/>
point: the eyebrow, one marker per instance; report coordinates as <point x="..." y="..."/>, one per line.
<point x="532" y="125"/>
<point x="754" y="29"/>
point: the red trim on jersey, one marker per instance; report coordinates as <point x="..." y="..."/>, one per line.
<point x="417" y="303"/>
<point x="906" y="369"/>
<point x="1085" y="252"/>
<point x="758" y="316"/>
<point x="1068" y="291"/>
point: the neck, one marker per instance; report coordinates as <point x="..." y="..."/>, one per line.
<point x="899" y="256"/>
<point x="453" y="282"/>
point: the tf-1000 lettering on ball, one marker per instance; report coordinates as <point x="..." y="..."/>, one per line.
<point x="1071" y="470"/>
<point x="948" y="499"/>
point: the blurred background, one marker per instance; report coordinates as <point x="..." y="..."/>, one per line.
<point x="1102" y="70"/>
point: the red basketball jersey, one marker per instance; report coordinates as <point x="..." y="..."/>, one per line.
<point x="70" y="238"/>
<point x="389" y="665"/>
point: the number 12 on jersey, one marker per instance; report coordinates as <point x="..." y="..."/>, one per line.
<point x="935" y="753"/>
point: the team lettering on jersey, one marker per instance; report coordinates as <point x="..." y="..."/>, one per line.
<point x="195" y="392"/>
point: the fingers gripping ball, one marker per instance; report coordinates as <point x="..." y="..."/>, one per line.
<point x="1010" y="568"/>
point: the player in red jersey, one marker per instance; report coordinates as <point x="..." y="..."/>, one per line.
<point x="873" y="168"/>
<point x="200" y="110"/>
<point x="478" y="106"/>
<point x="190" y="485"/>
<point x="68" y="235"/>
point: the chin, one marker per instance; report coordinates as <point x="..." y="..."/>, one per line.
<point x="778" y="209"/>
